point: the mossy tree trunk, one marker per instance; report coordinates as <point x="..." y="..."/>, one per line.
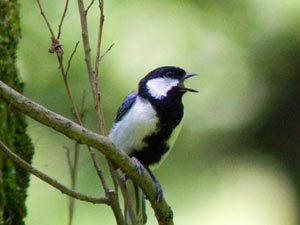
<point x="13" y="180"/>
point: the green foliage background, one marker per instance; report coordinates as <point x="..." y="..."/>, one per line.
<point x="235" y="161"/>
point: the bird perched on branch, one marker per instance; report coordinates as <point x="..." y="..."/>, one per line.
<point x="149" y="119"/>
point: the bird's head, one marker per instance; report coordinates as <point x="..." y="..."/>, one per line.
<point x="165" y="82"/>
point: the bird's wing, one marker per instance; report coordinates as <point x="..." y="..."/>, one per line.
<point x="126" y="104"/>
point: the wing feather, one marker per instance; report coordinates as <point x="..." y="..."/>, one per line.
<point x="126" y="105"/>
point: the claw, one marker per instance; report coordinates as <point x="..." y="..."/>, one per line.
<point x="159" y="192"/>
<point x="138" y="165"/>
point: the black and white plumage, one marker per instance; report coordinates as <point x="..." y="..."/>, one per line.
<point x="149" y="119"/>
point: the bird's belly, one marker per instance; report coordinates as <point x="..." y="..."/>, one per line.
<point x="139" y="122"/>
<point x="170" y="143"/>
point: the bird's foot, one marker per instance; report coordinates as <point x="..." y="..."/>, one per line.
<point x="159" y="192"/>
<point x="138" y="165"/>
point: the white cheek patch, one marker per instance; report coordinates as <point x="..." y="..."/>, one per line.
<point x="159" y="87"/>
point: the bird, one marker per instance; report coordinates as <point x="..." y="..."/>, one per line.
<point x="149" y="119"/>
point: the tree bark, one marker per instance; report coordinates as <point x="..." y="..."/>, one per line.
<point x="14" y="180"/>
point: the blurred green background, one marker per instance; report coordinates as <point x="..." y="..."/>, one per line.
<point x="236" y="161"/>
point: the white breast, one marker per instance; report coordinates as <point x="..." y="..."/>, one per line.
<point x="140" y="121"/>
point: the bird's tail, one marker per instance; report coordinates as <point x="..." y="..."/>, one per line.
<point x="135" y="209"/>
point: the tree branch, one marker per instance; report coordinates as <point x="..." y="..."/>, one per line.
<point x="99" y="41"/>
<point x="45" y="18"/>
<point x="62" y="19"/>
<point x="91" y="73"/>
<point x="73" y="168"/>
<point x="107" y="50"/>
<point x="48" y="179"/>
<point x="89" y="6"/>
<point x="71" y="57"/>
<point x="93" y="80"/>
<point x="57" y="49"/>
<point x="76" y="132"/>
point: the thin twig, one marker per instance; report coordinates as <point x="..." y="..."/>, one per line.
<point x="99" y="42"/>
<point x="73" y="164"/>
<point x="107" y="50"/>
<point x="89" y="6"/>
<point x="115" y="205"/>
<point x="78" y="119"/>
<point x="73" y="168"/>
<point x="66" y="84"/>
<point x="90" y="71"/>
<point x="56" y="47"/>
<point x="70" y="97"/>
<point x="96" y="76"/>
<point x="50" y="180"/>
<point x="71" y="57"/>
<point x="87" y="50"/>
<point x="93" y="79"/>
<point x="97" y="96"/>
<point x="82" y="105"/>
<point x="45" y="18"/>
<point x="128" y="208"/>
<point x="62" y="19"/>
<point x="98" y="170"/>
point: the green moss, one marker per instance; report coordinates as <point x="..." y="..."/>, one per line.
<point x="14" y="180"/>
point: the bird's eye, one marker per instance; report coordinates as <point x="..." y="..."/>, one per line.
<point x="169" y="74"/>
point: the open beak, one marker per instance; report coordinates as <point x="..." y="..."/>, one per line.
<point x="186" y="76"/>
